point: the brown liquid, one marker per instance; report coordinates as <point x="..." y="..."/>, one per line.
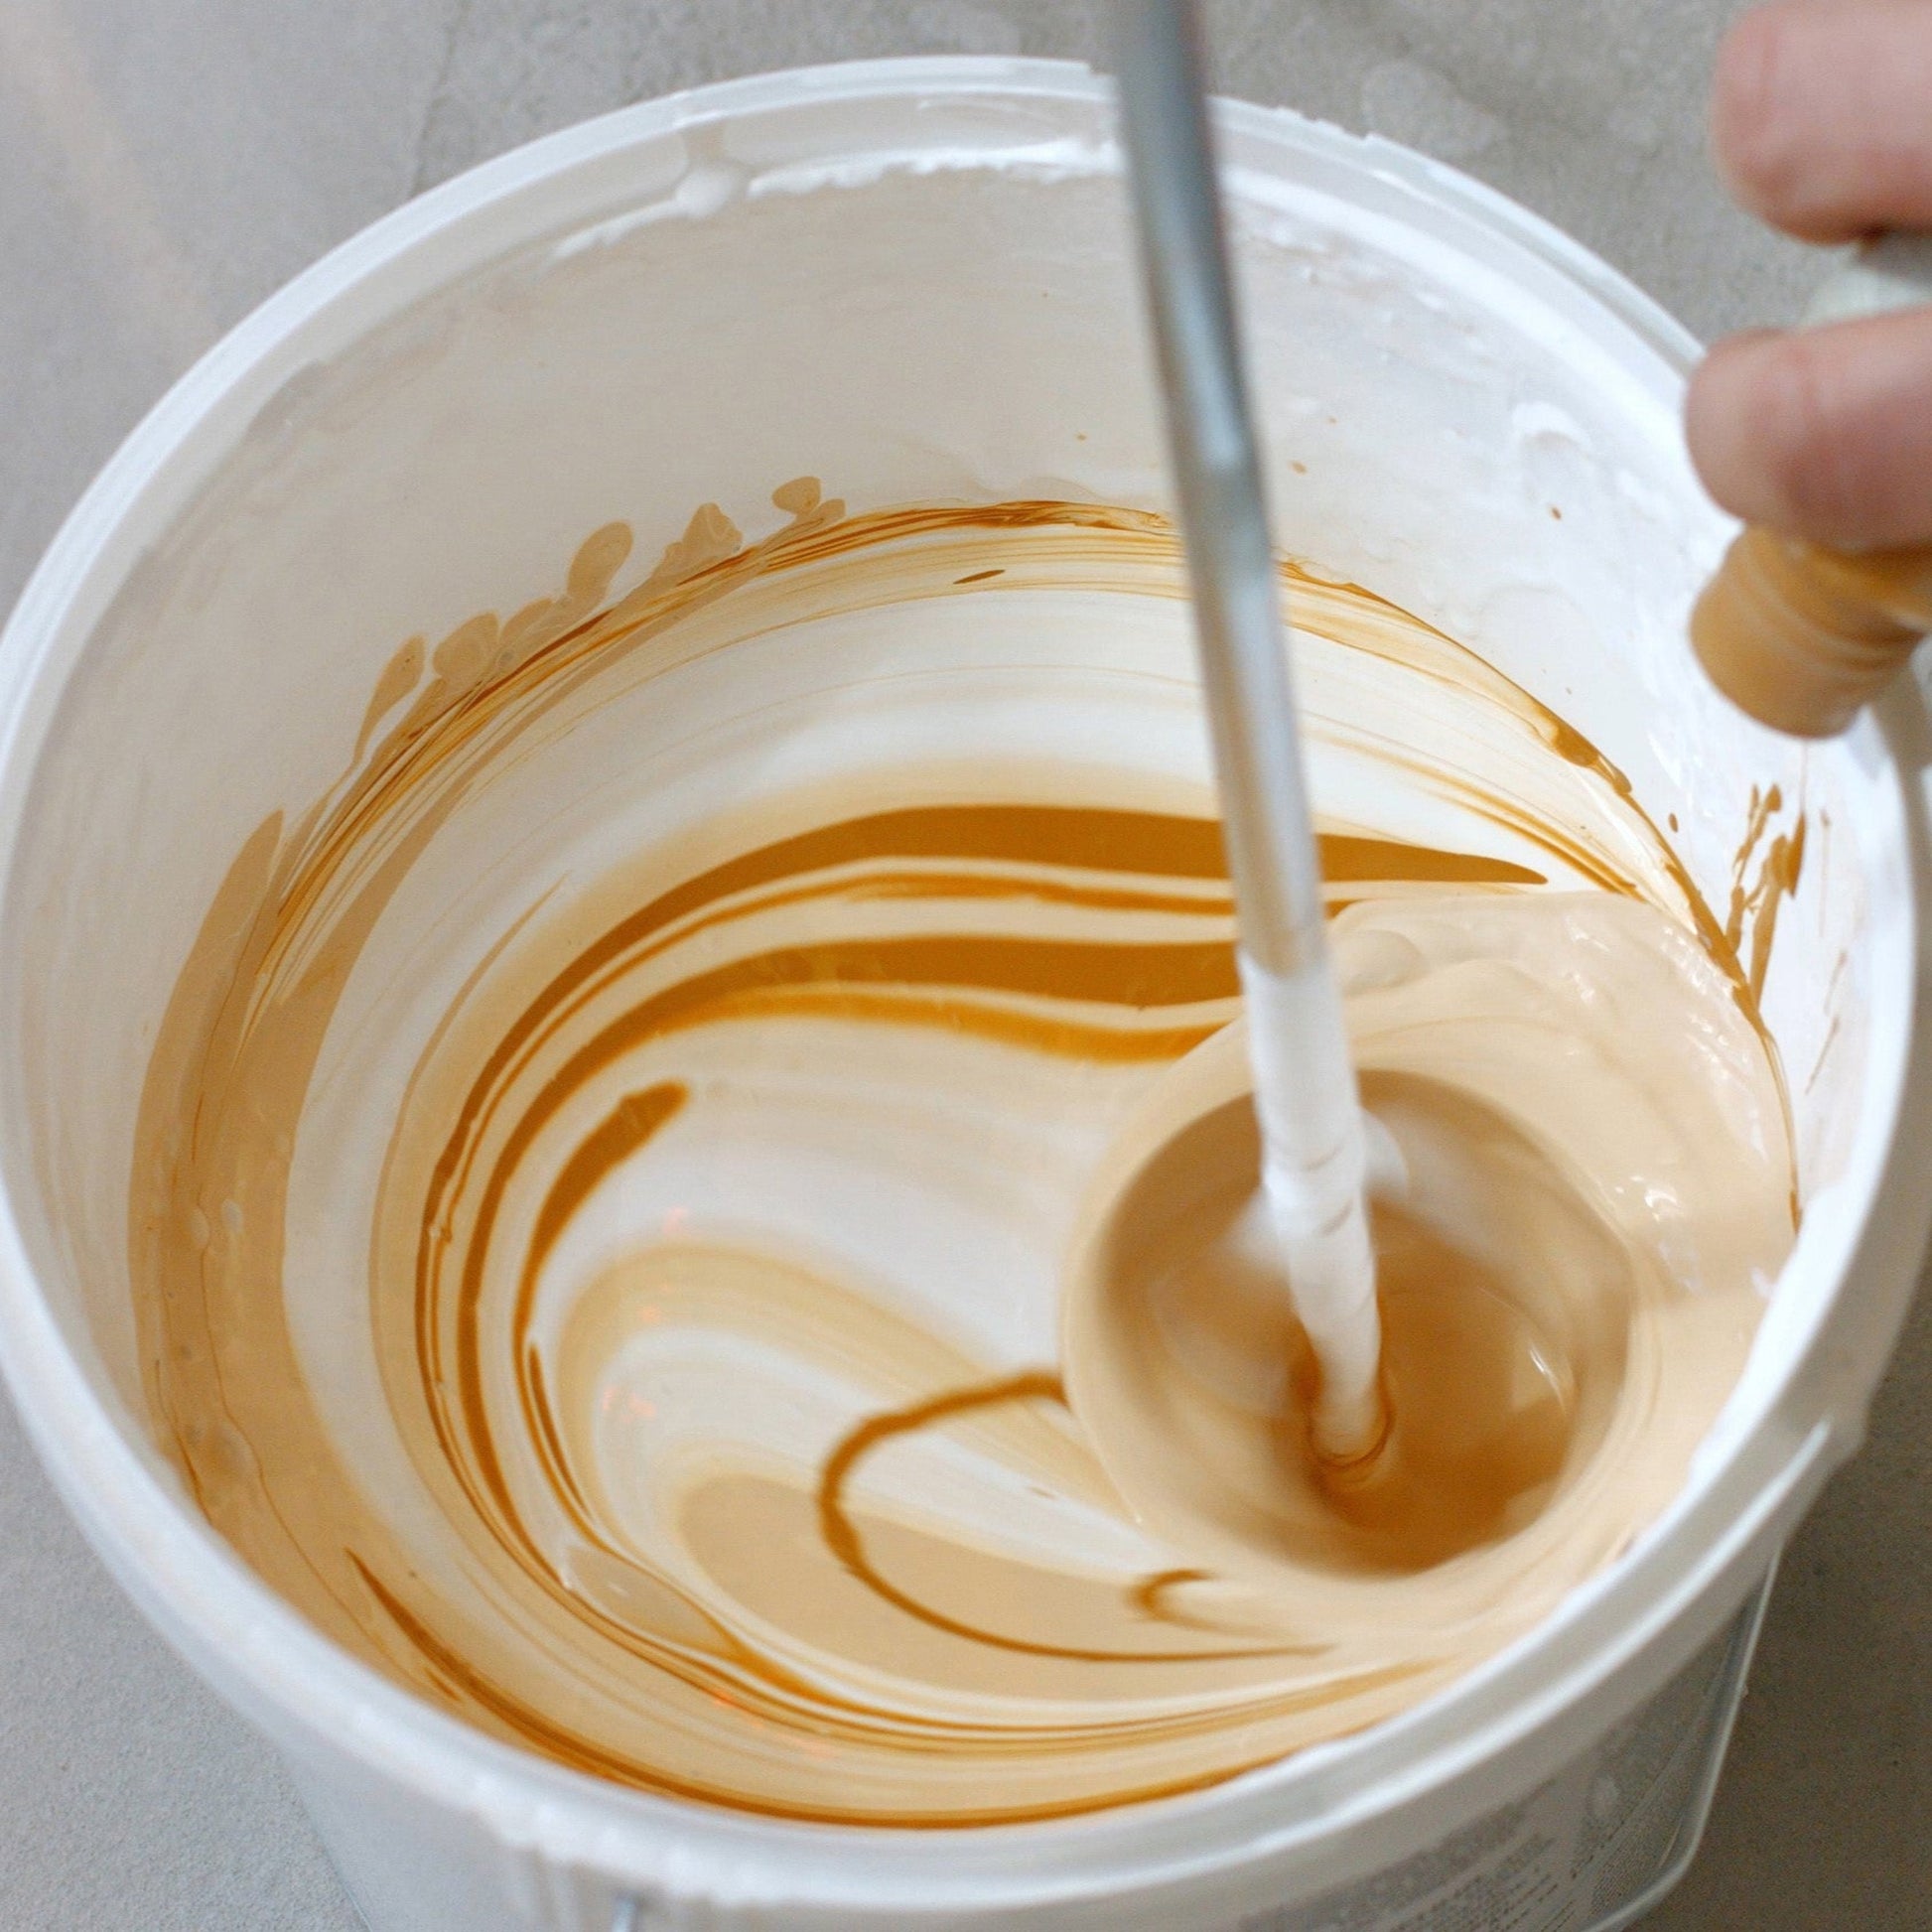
<point x="1481" y="1408"/>
<point x="1500" y="1364"/>
<point x="1069" y="922"/>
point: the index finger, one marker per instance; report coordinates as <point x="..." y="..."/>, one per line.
<point x="1821" y="115"/>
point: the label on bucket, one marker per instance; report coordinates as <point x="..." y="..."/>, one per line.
<point x="1575" y="1854"/>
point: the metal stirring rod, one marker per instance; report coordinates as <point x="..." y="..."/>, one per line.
<point x="1315" y="1156"/>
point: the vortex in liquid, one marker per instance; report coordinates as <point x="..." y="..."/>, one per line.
<point x="609" y="1175"/>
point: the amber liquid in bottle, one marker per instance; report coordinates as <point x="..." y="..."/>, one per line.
<point x="1802" y="637"/>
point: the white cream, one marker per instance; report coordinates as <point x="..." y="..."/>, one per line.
<point x="692" y="1040"/>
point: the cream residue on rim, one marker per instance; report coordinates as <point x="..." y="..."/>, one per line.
<point x="608" y="1177"/>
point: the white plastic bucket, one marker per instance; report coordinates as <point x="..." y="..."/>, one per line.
<point x="910" y="278"/>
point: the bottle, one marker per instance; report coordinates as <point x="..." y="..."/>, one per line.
<point x="1798" y="635"/>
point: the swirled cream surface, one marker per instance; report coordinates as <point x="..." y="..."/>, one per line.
<point x="628" y="1180"/>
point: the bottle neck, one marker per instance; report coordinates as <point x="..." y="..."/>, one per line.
<point x="1802" y="637"/>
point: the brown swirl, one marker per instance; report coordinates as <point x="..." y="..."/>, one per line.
<point x="805" y="1635"/>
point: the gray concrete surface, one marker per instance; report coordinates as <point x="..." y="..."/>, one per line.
<point x="165" y="163"/>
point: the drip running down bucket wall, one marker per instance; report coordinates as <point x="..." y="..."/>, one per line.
<point x="911" y="280"/>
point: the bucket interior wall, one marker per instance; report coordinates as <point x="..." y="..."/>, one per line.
<point x="908" y="308"/>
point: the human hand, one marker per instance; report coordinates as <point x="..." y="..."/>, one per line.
<point x="1822" y="125"/>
